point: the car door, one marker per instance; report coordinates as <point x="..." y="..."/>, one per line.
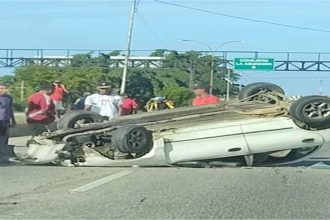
<point x="216" y="140"/>
<point x="279" y="133"/>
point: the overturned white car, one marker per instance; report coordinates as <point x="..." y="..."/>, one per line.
<point x="261" y="128"/>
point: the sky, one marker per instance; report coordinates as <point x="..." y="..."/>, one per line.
<point x="103" y="25"/>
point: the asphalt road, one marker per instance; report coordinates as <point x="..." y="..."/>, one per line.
<point x="53" y="192"/>
<point x="40" y="192"/>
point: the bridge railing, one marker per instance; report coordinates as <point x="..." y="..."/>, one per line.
<point x="284" y="61"/>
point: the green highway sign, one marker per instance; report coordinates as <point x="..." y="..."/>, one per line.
<point x="254" y="64"/>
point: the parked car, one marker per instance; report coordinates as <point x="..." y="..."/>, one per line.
<point x="261" y="128"/>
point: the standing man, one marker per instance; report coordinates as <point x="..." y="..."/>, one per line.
<point x="41" y="110"/>
<point x="57" y="97"/>
<point x="128" y="105"/>
<point x="203" y="97"/>
<point x="106" y="105"/>
<point x="7" y="119"/>
<point x="79" y="104"/>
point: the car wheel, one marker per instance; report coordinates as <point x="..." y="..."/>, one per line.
<point x="312" y="110"/>
<point x="255" y="88"/>
<point x="132" y="139"/>
<point x="76" y="119"/>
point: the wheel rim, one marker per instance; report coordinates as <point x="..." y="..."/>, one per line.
<point x="136" y="139"/>
<point x="317" y="110"/>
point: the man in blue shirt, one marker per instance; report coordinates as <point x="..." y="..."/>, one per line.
<point x="7" y="119"/>
<point x="79" y="104"/>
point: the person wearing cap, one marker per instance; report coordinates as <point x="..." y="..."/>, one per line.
<point x="41" y="109"/>
<point x="57" y="97"/>
<point x="202" y="96"/>
<point x="106" y="105"/>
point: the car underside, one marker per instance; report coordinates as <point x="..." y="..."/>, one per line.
<point x="260" y="129"/>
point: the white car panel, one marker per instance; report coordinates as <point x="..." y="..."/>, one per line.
<point x="208" y="148"/>
<point x="43" y="151"/>
<point x="265" y="124"/>
<point x="203" y="132"/>
<point x="279" y="134"/>
<point x="268" y="141"/>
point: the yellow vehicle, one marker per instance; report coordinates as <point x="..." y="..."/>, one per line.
<point x="159" y="103"/>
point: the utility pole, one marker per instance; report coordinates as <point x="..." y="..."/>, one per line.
<point x="320" y="86"/>
<point x="22" y="90"/>
<point x="228" y="84"/>
<point x="191" y="74"/>
<point x="128" y="50"/>
<point x="211" y="75"/>
<point x="212" y="60"/>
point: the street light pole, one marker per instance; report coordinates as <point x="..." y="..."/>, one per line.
<point x="229" y="42"/>
<point x="128" y="50"/>
<point x="228" y="70"/>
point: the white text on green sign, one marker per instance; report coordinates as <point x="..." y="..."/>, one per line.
<point x="254" y="64"/>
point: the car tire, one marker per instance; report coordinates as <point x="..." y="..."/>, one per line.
<point x="254" y="88"/>
<point x="132" y="139"/>
<point x="71" y="119"/>
<point x="312" y="110"/>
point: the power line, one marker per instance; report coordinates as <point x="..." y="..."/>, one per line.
<point x="137" y="5"/>
<point x="153" y="32"/>
<point x="243" y="18"/>
<point x="284" y="78"/>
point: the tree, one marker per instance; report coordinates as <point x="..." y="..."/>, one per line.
<point x="9" y="80"/>
<point x="179" y="72"/>
<point x="180" y="95"/>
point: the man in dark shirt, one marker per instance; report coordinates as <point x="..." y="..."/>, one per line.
<point x="7" y="119"/>
<point x="79" y="104"/>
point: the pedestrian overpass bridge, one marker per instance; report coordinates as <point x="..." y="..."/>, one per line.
<point x="284" y="61"/>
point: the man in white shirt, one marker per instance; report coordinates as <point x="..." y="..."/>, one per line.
<point x="106" y="105"/>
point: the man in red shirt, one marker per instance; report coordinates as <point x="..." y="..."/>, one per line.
<point x="128" y="105"/>
<point x="41" y="110"/>
<point x="57" y="97"/>
<point x="203" y="97"/>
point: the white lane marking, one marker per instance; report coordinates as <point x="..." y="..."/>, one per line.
<point x="101" y="181"/>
